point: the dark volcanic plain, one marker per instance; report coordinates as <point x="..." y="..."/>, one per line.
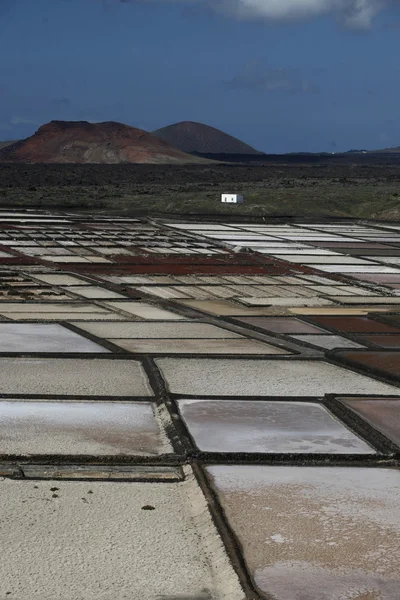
<point x="363" y="186"/>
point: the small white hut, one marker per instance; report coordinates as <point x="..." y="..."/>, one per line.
<point x="232" y="198"/>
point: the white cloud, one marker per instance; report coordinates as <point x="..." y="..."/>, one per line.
<point x="354" y="13"/>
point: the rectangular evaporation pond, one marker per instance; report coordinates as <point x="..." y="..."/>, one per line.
<point x="65" y="259"/>
<point x="167" y="292"/>
<point x="92" y="291"/>
<point x="247" y="377"/>
<point x="394" y="286"/>
<point x="282" y="427"/>
<point x="202" y="346"/>
<point x="221" y="308"/>
<point x="278" y="291"/>
<point x="335" y="311"/>
<point x="70" y="376"/>
<point x="125" y="279"/>
<point x="377" y="269"/>
<point x="328" y="342"/>
<point x="280" y="325"/>
<point x="314" y="238"/>
<point x="387" y="363"/>
<point x="390" y="260"/>
<point x="354" y="324"/>
<point x="76" y="428"/>
<point x="137" y="330"/>
<point x="229" y="236"/>
<point x="111" y="251"/>
<point x="275" y="245"/>
<point x="33" y="337"/>
<point x="347" y="290"/>
<point x="286" y="280"/>
<point x="394" y="319"/>
<point x="333" y="290"/>
<point x="315" y="532"/>
<point x="98" y="259"/>
<point x="7" y="242"/>
<point x="377" y="252"/>
<point x="349" y="247"/>
<point x="199" y="226"/>
<point x="145" y="311"/>
<point x="213" y="235"/>
<point x="382" y="239"/>
<point x="65" y="316"/>
<point x="315" y="301"/>
<point x="43" y="251"/>
<point x="308" y="252"/>
<point x="41" y="307"/>
<point x="335" y="260"/>
<point x="391" y="300"/>
<point x="320" y="279"/>
<point x="41" y="293"/>
<point x="159" y="279"/>
<point x="28" y="220"/>
<point x="100" y="540"/>
<point x="19" y="214"/>
<point x="213" y="291"/>
<point x="381" y="413"/>
<point x="380" y="279"/>
<point x="273" y="250"/>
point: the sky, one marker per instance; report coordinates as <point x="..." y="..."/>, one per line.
<point x="282" y="75"/>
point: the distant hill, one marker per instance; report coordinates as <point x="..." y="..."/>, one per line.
<point x="202" y="139"/>
<point x="394" y="150"/>
<point x="5" y="144"/>
<point x="101" y="143"/>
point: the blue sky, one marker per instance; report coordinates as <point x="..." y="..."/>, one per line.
<point x="321" y="80"/>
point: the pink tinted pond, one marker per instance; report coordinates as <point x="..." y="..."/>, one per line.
<point x="261" y="426"/>
<point x="323" y="533"/>
<point x="381" y="413"/>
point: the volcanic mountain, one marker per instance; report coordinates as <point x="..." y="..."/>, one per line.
<point x="83" y="142"/>
<point x="200" y="138"/>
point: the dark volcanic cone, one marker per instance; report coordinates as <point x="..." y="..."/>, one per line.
<point x="196" y="137"/>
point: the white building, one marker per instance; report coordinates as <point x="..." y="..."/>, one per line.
<point x="232" y="198"/>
